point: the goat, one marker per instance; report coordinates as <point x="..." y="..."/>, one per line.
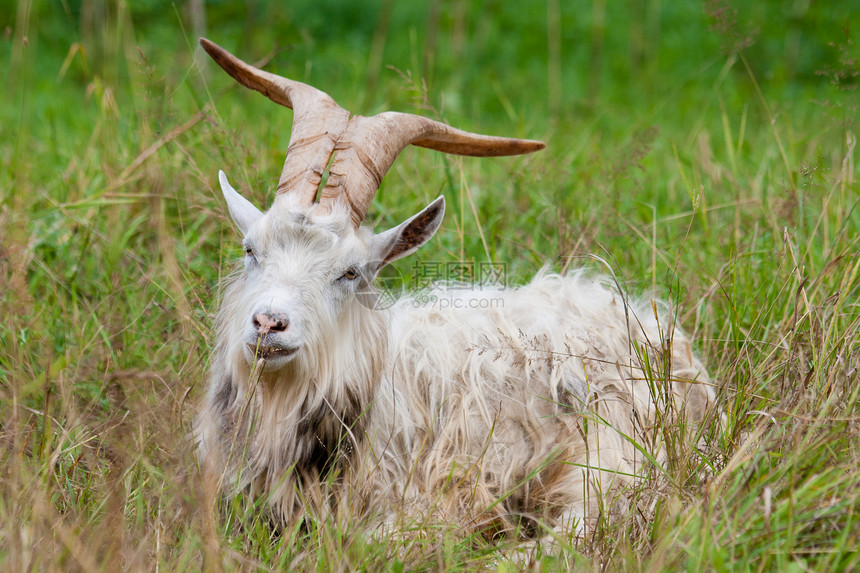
<point x="535" y="411"/>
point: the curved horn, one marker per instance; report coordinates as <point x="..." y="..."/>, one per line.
<point x="317" y="121"/>
<point x="365" y="147"/>
<point x="370" y="145"/>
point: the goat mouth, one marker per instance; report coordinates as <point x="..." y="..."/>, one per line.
<point x="271" y="352"/>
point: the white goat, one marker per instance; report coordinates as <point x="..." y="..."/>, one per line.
<point x="536" y="410"/>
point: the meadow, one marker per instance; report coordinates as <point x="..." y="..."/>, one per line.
<point x="703" y="153"/>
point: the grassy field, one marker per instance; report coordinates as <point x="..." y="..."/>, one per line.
<point x="705" y="151"/>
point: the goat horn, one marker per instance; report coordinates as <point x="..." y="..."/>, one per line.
<point x="317" y="121"/>
<point x="370" y="145"/>
<point x="364" y="147"/>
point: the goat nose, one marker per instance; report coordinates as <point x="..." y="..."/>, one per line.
<point x="266" y="322"/>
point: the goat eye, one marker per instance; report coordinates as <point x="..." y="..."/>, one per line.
<point x="350" y="275"/>
<point x="249" y="251"/>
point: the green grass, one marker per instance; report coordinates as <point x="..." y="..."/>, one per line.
<point x="706" y="152"/>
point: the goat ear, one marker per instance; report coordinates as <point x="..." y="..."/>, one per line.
<point x="242" y="211"/>
<point x="405" y="238"/>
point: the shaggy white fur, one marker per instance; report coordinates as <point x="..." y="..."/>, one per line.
<point x="498" y="409"/>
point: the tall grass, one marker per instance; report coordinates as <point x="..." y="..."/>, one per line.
<point x="702" y="152"/>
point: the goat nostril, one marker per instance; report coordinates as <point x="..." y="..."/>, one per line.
<point x="265" y="322"/>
